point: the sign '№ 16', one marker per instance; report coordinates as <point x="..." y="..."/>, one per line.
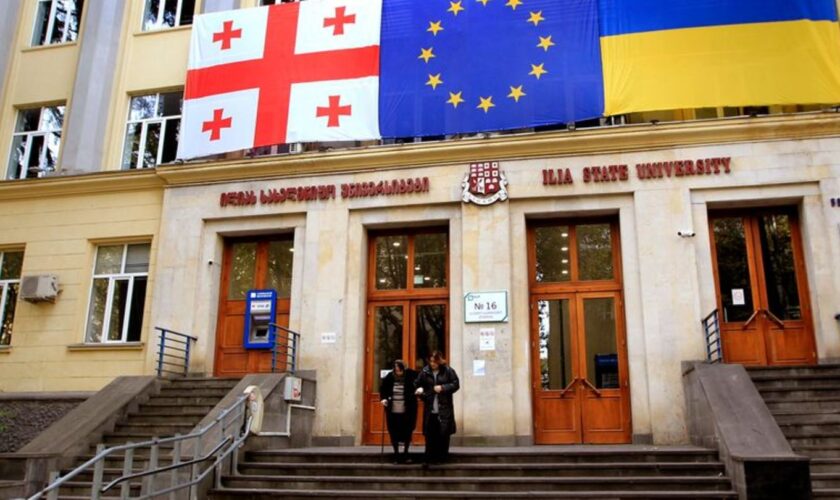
<point x="293" y="72"/>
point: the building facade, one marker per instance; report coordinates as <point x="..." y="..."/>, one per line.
<point x="565" y="273"/>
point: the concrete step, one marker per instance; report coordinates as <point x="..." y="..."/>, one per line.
<point x="488" y="470"/>
<point x="805" y="416"/>
<point x="798" y="430"/>
<point x="826" y="493"/>
<point x="496" y="455"/>
<point x="481" y="484"/>
<point x="825" y="465"/>
<point x="831" y="439"/>
<point x="802" y="404"/>
<point x="769" y="372"/>
<point x="801" y="393"/>
<point x="83" y="489"/>
<point x="817" y="450"/>
<point x="186" y="400"/>
<point x="192" y="417"/>
<point x="178" y="391"/>
<point x="163" y="408"/>
<point x="416" y="494"/>
<point x="825" y="480"/>
<point x="780" y="380"/>
<point x="155" y="429"/>
<point x="208" y="383"/>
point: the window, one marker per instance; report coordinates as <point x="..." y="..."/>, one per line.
<point x="151" y="136"/>
<point x="57" y="21"/>
<point x="10" y="266"/>
<point x="410" y="261"/>
<point x="118" y="293"/>
<point x="160" y="14"/>
<point x="35" y="142"/>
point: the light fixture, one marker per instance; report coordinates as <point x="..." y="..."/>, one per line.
<point x="382" y="280"/>
<point x="565" y="235"/>
<point x="565" y="261"/>
<point x="416" y="268"/>
<point x="397" y="243"/>
<point x="564" y="249"/>
<point x="292" y="249"/>
<point x="565" y="271"/>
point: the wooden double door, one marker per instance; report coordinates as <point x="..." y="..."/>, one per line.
<point x="762" y="290"/>
<point x="407" y="313"/>
<point x="579" y="374"/>
<point x="248" y="264"/>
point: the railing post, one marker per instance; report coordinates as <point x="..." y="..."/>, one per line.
<point x="149" y="481"/>
<point x="98" y="470"/>
<point x="195" y="469"/>
<point x="187" y="357"/>
<point x="176" y="459"/>
<point x="53" y="493"/>
<point x="160" y="352"/>
<point x="128" y="466"/>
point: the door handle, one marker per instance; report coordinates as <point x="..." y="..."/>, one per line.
<point x="569" y="387"/>
<point x="750" y="319"/>
<point x="775" y="319"/>
<point x="591" y="387"/>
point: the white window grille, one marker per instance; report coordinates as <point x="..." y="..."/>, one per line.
<point x="118" y="293"/>
<point x="151" y="135"/>
<point x="10" y="266"/>
<point x="160" y="14"/>
<point x="36" y="142"/>
<point x="57" y="21"/>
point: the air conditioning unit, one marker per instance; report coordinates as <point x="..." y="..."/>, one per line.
<point x="40" y="288"/>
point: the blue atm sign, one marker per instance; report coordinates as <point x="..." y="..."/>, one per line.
<point x="260" y="313"/>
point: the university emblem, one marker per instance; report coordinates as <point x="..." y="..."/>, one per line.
<point x="484" y="184"/>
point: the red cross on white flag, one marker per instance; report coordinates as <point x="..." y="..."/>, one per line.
<point x="294" y="72"/>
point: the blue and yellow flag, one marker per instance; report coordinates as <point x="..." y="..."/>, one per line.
<point x="671" y="54"/>
<point x="462" y="66"/>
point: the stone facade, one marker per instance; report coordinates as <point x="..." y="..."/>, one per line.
<point x="668" y="279"/>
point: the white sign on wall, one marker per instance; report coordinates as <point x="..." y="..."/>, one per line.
<point x="485" y="307"/>
<point x="487" y="339"/>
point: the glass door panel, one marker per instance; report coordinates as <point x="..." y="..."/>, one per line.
<point x="555" y="344"/>
<point x="733" y="269"/>
<point x="601" y="347"/>
<point x="429" y="332"/>
<point x="779" y="268"/>
<point x="388" y="332"/>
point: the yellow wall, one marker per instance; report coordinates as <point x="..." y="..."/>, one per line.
<point x="149" y="62"/>
<point x="59" y="234"/>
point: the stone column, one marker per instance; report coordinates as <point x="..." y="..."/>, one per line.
<point x="486" y="402"/>
<point x="9" y="16"/>
<point x="85" y="127"/>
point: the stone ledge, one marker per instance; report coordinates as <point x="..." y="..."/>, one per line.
<point x="6" y="349"/>
<point x="125" y="346"/>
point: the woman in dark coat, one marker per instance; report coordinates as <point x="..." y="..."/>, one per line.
<point x="436" y="384"/>
<point x="400" y="407"/>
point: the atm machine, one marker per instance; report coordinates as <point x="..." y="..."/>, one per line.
<point x="260" y="312"/>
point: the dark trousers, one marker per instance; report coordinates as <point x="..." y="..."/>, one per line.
<point x="400" y="431"/>
<point x="437" y="441"/>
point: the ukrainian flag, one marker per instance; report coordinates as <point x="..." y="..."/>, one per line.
<point x="672" y="54"/>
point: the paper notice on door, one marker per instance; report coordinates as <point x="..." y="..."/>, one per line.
<point x="738" y="297"/>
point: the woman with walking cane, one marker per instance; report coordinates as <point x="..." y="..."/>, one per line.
<point x="400" y="408"/>
<point x="436" y="384"/>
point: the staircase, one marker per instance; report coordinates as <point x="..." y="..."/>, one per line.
<point x="604" y="472"/>
<point x="177" y="409"/>
<point x="806" y="404"/>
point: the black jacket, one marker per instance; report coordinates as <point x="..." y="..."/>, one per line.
<point x="386" y="391"/>
<point x="446" y="409"/>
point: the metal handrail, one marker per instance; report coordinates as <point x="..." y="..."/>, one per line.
<point x="285" y="345"/>
<point x="182" y="342"/>
<point x="102" y="453"/>
<point x="714" y="345"/>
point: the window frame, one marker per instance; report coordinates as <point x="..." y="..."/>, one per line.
<point x="4" y="293"/>
<point x="51" y="22"/>
<point x="412" y="292"/>
<point x="29" y="137"/>
<point x="159" y="24"/>
<point x="144" y="128"/>
<point x="113" y="278"/>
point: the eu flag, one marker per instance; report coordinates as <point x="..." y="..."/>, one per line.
<point x="450" y="67"/>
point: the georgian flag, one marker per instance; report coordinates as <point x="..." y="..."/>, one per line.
<point x="293" y="72"/>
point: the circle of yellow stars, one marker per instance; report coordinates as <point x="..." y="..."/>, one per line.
<point x="485" y="103"/>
